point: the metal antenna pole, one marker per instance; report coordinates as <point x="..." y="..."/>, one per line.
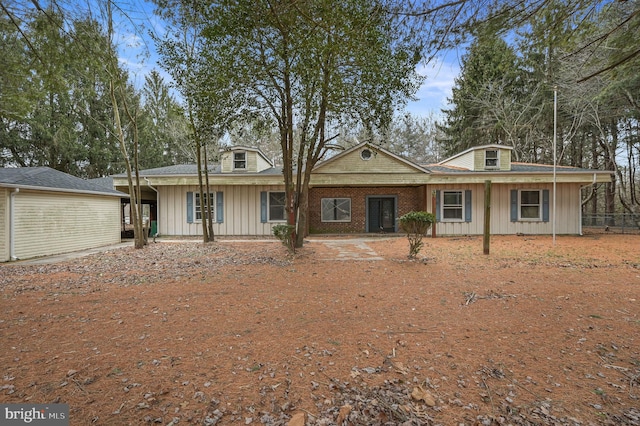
<point x="555" y="136"/>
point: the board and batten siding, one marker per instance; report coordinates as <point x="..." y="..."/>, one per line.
<point x="241" y="211"/>
<point x="567" y="208"/>
<point x="4" y="225"/>
<point x="568" y="205"/>
<point x="472" y="227"/>
<point x="48" y="223"/>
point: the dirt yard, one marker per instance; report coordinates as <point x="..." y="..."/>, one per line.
<point x="347" y="331"/>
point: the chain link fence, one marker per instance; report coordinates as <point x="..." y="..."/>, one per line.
<point x="621" y="223"/>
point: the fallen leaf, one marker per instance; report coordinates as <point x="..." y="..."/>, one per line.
<point x="420" y="394"/>
<point x="344" y="413"/>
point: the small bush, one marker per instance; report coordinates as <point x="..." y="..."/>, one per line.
<point x="285" y="234"/>
<point x="416" y="225"/>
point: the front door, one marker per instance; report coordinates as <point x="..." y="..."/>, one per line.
<point x="382" y="214"/>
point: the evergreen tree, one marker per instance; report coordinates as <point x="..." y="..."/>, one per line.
<point x="489" y="71"/>
<point x="164" y="134"/>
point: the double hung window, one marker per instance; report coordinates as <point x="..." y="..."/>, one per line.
<point x="452" y="206"/>
<point x="491" y="159"/>
<point x="200" y="207"/>
<point x="239" y="160"/>
<point x="530" y="205"/>
<point x="277" y="204"/>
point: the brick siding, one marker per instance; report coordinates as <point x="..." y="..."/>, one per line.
<point x="408" y="199"/>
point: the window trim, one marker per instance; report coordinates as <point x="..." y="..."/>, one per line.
<point x="540" y="206"/>
<point x="461" y="206"/>
<point x="243" y="161"/>
<point x="334" y="199"/>
<point x="284" y="205"/>
<point x="196" y="204"/>
<point x="497" y="159"/>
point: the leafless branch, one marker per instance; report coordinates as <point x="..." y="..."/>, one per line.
<point x="612" y="66"/>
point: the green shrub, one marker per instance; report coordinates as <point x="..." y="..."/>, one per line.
<point x="416" y="225"/>
<point x="285" y="234"/>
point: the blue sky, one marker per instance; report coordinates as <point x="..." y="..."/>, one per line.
<point x="137" y="54"/>
<point x="436" y="89"/>
<point x="430" y="98"/>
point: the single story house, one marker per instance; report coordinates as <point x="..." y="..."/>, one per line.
<point x="366" y="188"/>
<point x="46" y="212"/>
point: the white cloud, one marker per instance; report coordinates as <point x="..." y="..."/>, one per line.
<point x="432" y="95"/>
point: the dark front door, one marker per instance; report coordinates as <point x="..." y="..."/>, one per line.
<point x="382" y="216"/>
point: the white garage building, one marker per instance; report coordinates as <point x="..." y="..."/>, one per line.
<point x="45" y="212"/>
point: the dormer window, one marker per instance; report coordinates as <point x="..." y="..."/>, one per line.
<point x="239" y="160"/>
<point x="491" y="159"/>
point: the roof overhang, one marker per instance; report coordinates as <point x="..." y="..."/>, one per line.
<point x="117" y="194"/>
<point x="582" y="177"/>
<point x="217" y="179"/>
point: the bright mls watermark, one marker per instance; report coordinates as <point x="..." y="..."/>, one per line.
<point x="34" y="414"/>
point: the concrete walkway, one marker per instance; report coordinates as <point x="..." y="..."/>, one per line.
<point x="349" y="249"/>
<point x="70" y="256"/>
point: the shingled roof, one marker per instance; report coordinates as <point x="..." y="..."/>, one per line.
<point x="192" y="170"/>
<point x="46" y="178"/>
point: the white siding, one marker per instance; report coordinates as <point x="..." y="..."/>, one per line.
<point x="255" y="161"/>
<point x="465" y="161"/>
<point x="226" y="162"/>
<point x="51" y="223"/>
<point x="568" y="211"/>
<point x="262" y="164"/>
<point x="4" y="225"/>
<point x="241" y="211"/>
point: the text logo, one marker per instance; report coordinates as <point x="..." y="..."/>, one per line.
<point x="34" y="414"/>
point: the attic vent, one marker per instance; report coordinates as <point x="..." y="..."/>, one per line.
<point x="365" y="154"/>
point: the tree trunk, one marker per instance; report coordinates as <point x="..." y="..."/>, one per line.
<point x="209" y="221"/>
<point x="133" y="193"/>
<point x="286" y="135"/>
<point x="198" y="146"/>
<point x="610" y="187"/>
<point x="303" y="215"/>
<point x="205" y="232"/>
<point x="594" y="165"/>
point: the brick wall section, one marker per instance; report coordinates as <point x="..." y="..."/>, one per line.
<point x="408" y="199"/>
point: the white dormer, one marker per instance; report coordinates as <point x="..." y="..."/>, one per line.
<point x="242" y="159"/>
<point x="482" y="158"/>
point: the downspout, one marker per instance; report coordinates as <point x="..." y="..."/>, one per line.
<point x="12" y="216"/>
<point x="157" y="207"/>
<point x="580" y="215"/>
<point x="595" y="178"/>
